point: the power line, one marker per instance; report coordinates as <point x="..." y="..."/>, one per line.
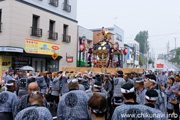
<point x="157" y="35"/>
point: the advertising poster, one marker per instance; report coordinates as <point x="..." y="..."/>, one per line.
<point x="5" y="63"/>
<point x="39" y="47"/>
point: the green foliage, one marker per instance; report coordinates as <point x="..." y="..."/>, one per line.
<point x="176" y="59"/>
<point x="141" y="38"/>
<point x="150" y="61"/>
<point x="141" y="60"/>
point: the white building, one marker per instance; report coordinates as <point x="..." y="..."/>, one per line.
<point x="33" y="30"/>
<point x="135" y="53"/>
<point x="85" y="37"/>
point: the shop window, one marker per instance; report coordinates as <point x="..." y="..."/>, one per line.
<point x="41" y="66"/>
<point x="53" y="65"/>
<point x="36" y="63"/>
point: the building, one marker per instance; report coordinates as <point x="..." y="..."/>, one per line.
<point x="172" y="54"/>
<point x="135" y="49"/>
<point x="86" y="38"/>
<point x="33" y="30"/>
<point x="129" y="58"/>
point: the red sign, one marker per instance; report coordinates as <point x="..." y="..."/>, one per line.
<point x="55" y="47"/>
<point x="160" y="65"/>
<point x="82" y="47"/>
<point x="125" y="51"/>
<point x="69" y="59"/>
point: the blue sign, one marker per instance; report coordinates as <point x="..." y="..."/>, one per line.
<point x="128" y="53"/>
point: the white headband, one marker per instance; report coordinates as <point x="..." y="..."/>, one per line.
<point x="72" y="81"/>
<point x="140" y="81"/>
<point x="10" y="84"/>
<point x="152" y="80"/>
<point x="151" y="98"/>
<point x="127" y="91"/>
<point x="96" y="86"/>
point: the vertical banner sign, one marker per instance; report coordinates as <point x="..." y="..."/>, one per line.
<point x="128" y="53"/>
<point x="5" y="63"/>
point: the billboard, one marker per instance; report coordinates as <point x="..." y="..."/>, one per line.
<point x="39" y="47"/>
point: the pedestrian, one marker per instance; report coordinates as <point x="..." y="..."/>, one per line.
<point x="97" y="88"/>
<point x="118" y="82"/>
<point x="35" y="111"/>
<point x="24" y="100"/>
<point x="74" y="104"/>
<point x="56" y="87"/>
<point x="22" y="85"/>
<point x="8" y="101"/>
<point x="170" y="95"/>
<point x="151" y="98"/>
<point x="140" y="92"/>
<point x="130" y="109"/>
<point x="97" y="106"/>
<point x="149" y="83"/>
<point x="41" y="82"/>
<point x="81" y="87"/>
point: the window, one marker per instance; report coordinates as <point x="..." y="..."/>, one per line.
<point x="67" y="7"/>
<point x="36" y="66"/>
<point x="118" y="37"/>
<point x="52" y="35"/>
<point x="66" y="37"/>
<point x="41" y="66"/>
<point x="0" y="19"/>
<point x="35" y="30"/>
<point x="52" y="65"/>
<point x="54" y="3"/>
<point x="65" y="29"/>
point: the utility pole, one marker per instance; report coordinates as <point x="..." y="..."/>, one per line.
<point x="115" y="19"/>
<point x="175" y="42"/>
<point x="168" y="49"/>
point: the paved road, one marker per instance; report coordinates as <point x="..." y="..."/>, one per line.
<point x="167" y="65"/>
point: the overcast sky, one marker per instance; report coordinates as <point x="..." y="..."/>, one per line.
<point x="160" y="17"/>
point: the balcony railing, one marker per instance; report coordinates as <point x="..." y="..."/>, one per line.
<point x="67" y="7"/>
<point x="36" y="31"/>
<point x="53" y="35"/>
<point x="66" y="38"/>
<point x="54" y="3"/>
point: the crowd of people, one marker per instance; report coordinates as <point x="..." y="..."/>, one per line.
<point x="89" y="96"/>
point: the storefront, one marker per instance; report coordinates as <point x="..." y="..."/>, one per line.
<point x="41" y="55"/>
<point x="37" y="54"/>
<point x="6" y="54"/>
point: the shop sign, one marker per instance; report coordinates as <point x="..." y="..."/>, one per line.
<point x="11" y="49"/>
<point x="54" y="56"/>
<point x="5" y="63"/>
<point x="39" y="47"/>
<point x="69" y="59"/>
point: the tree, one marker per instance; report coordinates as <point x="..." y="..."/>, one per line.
<point x="141" y="38"/>
<point x="141" y="60"/>
<point x="176" y="59"/>
<point x="150" y="61"/>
